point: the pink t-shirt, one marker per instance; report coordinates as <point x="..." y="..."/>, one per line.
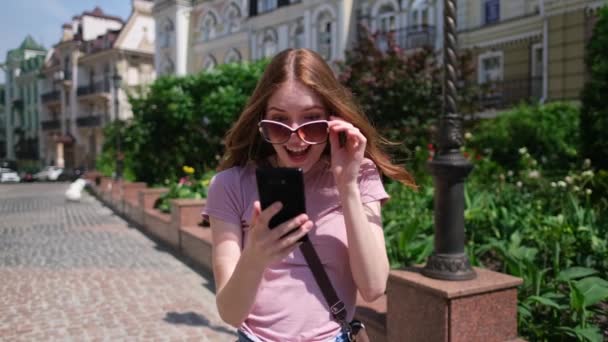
<point x="289" y="305"/>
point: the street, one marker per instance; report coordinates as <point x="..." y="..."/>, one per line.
<point x="75" y="271"/>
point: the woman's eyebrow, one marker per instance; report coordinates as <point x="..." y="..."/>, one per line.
<point x="276" y="108"/>
<point x="303" y="110"/>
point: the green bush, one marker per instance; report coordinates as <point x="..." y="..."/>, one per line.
<point x="594" y="113"/>
<point x="189" y="186"/>
<point x="549" y="132"/>
<point x="400" y="91"/>
<point x="182" y="120"/>
<point x="525" y="222"/>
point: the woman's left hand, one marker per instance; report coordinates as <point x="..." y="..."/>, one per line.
<point x="346" y="160"/>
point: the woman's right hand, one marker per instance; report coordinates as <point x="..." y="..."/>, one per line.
<point x="265" y="246"/>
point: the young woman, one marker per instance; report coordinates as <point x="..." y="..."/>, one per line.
<point x="264" y="285"/>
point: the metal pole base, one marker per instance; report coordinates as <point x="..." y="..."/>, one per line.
<point x="449" y="267"/>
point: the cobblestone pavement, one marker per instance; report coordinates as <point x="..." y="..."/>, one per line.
<point x="74" y="271"/>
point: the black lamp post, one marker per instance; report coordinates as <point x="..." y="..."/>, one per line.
<point x="449" y="169"/>
<point x="119" y="156"/>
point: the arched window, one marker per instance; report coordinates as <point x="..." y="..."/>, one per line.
<point x="166" y="31"/>
<point x="208" y="26"/>
<point x="168" y="67"/>
<point x="421" y="16"/>
<point x="209" y="63"/>
<point x="232" y="16"/>
<point x="296" y="36"/>
<point x="325" y="27"/>
<point x="387" y="19"/>
<point x="269" y="43"/>
<point x="233" y="56"/>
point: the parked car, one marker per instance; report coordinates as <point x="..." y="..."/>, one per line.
<point x="8" y="176"/>
<point x="49" y="173"/>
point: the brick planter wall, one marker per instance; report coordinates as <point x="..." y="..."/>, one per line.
<point x="146" y="198"/>
<point x="159" y="225"/>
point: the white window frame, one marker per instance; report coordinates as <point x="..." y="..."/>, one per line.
<point x="233" y="56"/>
<point x="379" y="16"/>
<point x="232" y="16"/>
<point x="267" y="5"/>
<point x="328" y="14"/>
<point x="269" y="37"/>
<point x="208" y="26"/>
<point x="166" y="30"/>
<point x="297" y="35"/>
<point x="489" y="55"/>
<point x="209" y="62"/>
<point x="534" y="65"/>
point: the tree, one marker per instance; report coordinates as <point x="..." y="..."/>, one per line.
<point x="399" y="90"/>
<point x="594" y="112"/>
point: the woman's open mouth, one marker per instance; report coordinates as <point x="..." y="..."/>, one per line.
<point x="297" y="154"/>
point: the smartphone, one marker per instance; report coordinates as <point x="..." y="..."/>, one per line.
<point x="285" y="185"/>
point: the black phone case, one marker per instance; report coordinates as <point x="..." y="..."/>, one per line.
<point x="285" y="185"/>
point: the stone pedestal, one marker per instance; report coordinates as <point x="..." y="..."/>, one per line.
<point x="425" y="309"/>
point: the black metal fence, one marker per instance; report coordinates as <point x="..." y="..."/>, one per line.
<point x="508" y="93"/>
<point x="50" y="96"/>
<point x="89" y="121"/>
<point x="50" y="125"/>
<point x="93" y="88"/>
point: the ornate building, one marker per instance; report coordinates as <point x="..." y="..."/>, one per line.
<point x="527" y="50"/>
<point x="198" y="34"/>
<point x="21" y="106"/>
<point x="86" y="77"/>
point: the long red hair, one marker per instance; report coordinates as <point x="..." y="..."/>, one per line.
<point x="243" y="141"/>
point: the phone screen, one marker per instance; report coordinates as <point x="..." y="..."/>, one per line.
<point x="285" y="185"/>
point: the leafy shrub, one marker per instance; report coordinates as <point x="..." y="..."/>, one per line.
<point x="182" y="121"/>
<point x="400" y="92"/>
<point x="594" y="113"/>
<point x="549" y="132"/>
<point x="189" y="186"/>
<point x="525" y="222"/>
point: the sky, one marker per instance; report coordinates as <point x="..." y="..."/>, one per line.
<point x="42" y="19"/>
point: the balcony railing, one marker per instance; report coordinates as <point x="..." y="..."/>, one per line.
<point x="50" y="124"/>
<point x="50" y="96"/>
<point x="94" y="88"/>
<point x="88" y="121"/>
<point x="504" y="94"/>
<point x="410" y="37"/>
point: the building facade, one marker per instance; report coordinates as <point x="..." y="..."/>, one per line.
<point x="86" y="78"/>
<point x="531" y="50"/>
<point x="199" y="34"/>
<point x="523" y="50"/>
<point x="2" y="124"/>
<point x="21" y="103"/>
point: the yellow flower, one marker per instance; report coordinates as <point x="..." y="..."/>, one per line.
<point x="188" y="169"/>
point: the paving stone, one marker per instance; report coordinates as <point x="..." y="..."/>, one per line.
<point x="74" y="271"/>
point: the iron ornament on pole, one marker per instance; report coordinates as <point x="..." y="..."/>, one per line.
<point x="450" y="169"/>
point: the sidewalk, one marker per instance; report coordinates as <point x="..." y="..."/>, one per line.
<point x="76" y="271"/>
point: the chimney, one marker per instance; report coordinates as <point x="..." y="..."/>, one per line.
<point x="68" y="33"/>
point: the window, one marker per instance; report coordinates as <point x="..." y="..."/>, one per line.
<point x="387" y="19"/>
<point x="297" y="39"/>
<point x="168" y="67"/>
<point x="266" y="5"/>
<point x="490" y="67"/>
<point x="166" y="32"/>
<point x="233" y="16"/>
<point x="208" y="26"/>
<point x="269" y="43"/>
<point x="209" y="63"/>
<point x="491" y="11"/>
<point x="233" y="56"/>
<point x="324" y="35"/>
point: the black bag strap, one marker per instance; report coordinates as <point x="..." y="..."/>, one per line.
<point x="336" y="306"/>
